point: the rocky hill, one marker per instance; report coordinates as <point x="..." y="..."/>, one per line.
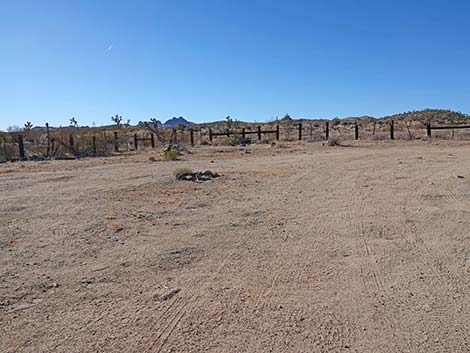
<point x="177" y="121"/>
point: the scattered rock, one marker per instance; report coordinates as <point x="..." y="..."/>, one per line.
<point x="115" y="229"/>
<point x="460" y="177"/>
<point x="168" y="295"/>
<point x="197" y="176"/>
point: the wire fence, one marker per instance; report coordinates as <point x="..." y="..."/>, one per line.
<point x="71" y="142"/>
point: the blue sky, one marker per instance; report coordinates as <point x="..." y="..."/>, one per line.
<point x="206" y="59"/>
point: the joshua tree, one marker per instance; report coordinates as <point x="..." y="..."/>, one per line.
<point x="73" y="122"/>
<point x="229" y="122"/>
<point x="154" y="121"/>
<point x="13" y="128"/>
<point x="117" y="119"/>
<point x="288" y="121"/>
<point x="28" y="126"/>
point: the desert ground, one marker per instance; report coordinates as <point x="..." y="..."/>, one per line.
<point x="298" y="247"/>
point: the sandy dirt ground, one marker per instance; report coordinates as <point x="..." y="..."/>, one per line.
<point x="297" y="248"/>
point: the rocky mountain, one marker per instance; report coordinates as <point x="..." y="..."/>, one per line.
<point x="177" y="121"/>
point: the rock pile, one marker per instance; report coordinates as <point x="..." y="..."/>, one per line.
<point x="197" y="176"/>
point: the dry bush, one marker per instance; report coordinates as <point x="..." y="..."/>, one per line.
<point x="171" y="155"/>
<point x="228" y="141"/>
<point x="183" y="171"/>
<point x="335" y="141"/>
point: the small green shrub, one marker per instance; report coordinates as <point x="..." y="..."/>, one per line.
<point x="171" y="155"/>
<point x="183" y="171"/>
<point x="336" y="121"/>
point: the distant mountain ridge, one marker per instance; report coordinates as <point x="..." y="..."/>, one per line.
<point x="177" y="121"/>
<point x="433" y="116"/>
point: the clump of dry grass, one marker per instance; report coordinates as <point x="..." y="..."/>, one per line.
<point x="335" y="141"/>
<point x="183" y="171"/>
<point x="171" y="155"/>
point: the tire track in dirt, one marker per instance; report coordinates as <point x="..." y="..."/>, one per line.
<point x="410" y="242"/>
<point x="435" y="265"/>
<point x="233" y="258"/>
<point x="390" y="309"/>
<point x="290" y="191"/>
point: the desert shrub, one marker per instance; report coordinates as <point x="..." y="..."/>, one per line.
<point x="336" y="121"/>
<point x="380" y="137"/>
<point x="183" y="171"/>
<point x="335" y="141"/>
<point x="234" y="140"/>
<point x="227" y="141"/>
<point x="171" y="155"/>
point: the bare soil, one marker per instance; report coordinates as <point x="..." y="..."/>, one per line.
<point x="296" y="248"/>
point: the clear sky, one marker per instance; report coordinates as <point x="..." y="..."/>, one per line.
<point x="250" y="59"/>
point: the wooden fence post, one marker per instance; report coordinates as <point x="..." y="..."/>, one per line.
<point x="243" y="133"/>
<point x="48" y="135"/>
<point x="392" y="134"/>
<point x="116" y="142"/>
<point x="356" y="131"/>
<point x="71" y="140"/>
<point x="175" y="136"/>
<point x="210" y="135"/>
<point x="277" y="132"/>
<point x="152" y="140"/>
<point x="428" y="127"/>
<point x="259" y="133"/>
<point x="300" y="131"/>
<point x="373" y="131"/>
<point x="136" y="142"/>
<point x="327" y="130"/>
<point x="21" y="146"/>
<point x="93" y="144"/>
<point x="191" y="136"/>
<point x="4" y="150"/>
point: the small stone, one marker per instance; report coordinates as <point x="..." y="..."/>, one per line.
<point x="168" y="295"/>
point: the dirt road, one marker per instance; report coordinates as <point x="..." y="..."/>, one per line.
<point x="297" y="248"/>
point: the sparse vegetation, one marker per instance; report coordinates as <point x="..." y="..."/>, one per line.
<point x="183" y="171"/>
<point x="96" y="141"/>
<point x="171" y="155"/>
<point x="117" y="119"/>
<point x="335" y="141"/>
